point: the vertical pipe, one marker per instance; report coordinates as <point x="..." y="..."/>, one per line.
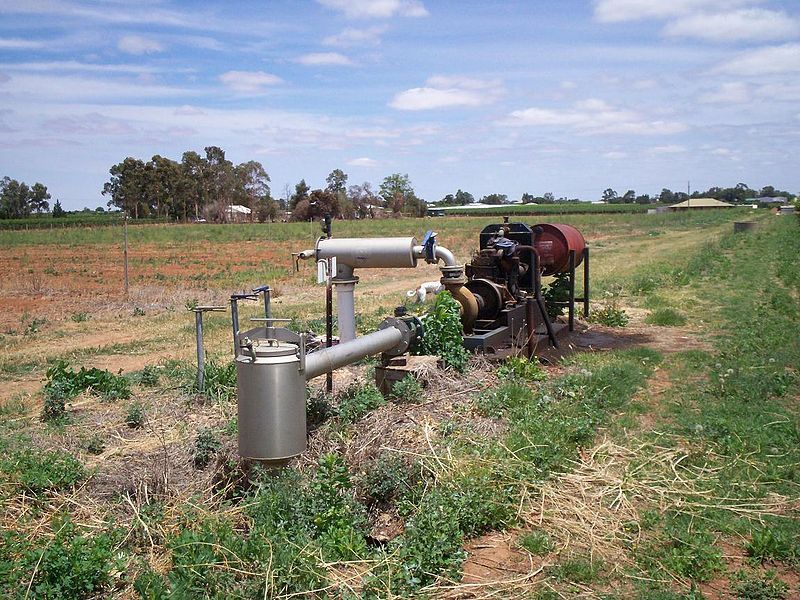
<point x="572" y="290"/>
<point x="235" y="322"/>
<point x="537" y="290"/>
<point x="125" y="255"/>
<point x="345" y="307"/>
<point x="329" y="322"/>
<point x="530" y="325"/>
<point x="201" y="372"/>
<point x="267" y="302"/>
<point x="586" y="282"/>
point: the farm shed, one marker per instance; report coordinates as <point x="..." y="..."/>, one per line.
<point x="700" y="203"/>
<point x="236" y="213"/>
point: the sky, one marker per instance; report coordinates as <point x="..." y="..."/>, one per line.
<point x="562" y="96"/>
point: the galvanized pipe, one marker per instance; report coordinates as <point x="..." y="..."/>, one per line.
<point x="346" y="310"/>
<point x="329" y="359"/>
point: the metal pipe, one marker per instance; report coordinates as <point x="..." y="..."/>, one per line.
<point x="444" y="254"/>
<point x="201" y="370"/>
<point x="347" y="353"/>
<point x="345" y="308"/>
<point x="235" y="323"/>
<point x="586" y="282"/>
<point x="571" y="308"/>
<point x="381" y="253"/>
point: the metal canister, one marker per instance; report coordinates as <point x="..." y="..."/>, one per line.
<point x="271" y="402"/>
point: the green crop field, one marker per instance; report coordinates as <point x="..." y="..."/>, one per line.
<point x="659" y="462"/>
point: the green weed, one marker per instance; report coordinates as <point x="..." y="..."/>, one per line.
<point x="357" y="400"/>
<point x="666" y="317"/>
<point x="205" y="448"/>
<point x="135" y="416"/>
<point x="40" y="471"/>
<point x="443" y="333"/>
<point x="521" y="368"/>
<point x="385" y="479"/>
<point x="536" y="542"/>
<point x="765" y="587"/>
<point x="408" y="390"/>
<point x="70" y="565"/>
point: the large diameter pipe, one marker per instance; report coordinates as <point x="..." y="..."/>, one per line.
<point x="360" y="253"/>
<point x="328" y="359"/>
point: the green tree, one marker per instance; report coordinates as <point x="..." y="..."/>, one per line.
<point x="57" y="210"/>
<point x="628" y="197"/>
<point x="252" y="186"/>
<point x="495" y="199"/>
<point x="194" y="187"/>
<point x="609" y="196"/>
<point x="38" y="198"/>
<point x="127" y="188"/>
<point x="337" y="182"/>
<point x="666" y="196"/>
<point x="300" y="193"/>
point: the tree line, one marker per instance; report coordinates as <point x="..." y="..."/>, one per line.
<point x="738" y="194"/>
<point x="17" y="200"/>
<point x="208" y="186"/>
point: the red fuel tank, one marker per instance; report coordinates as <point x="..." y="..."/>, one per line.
<point x="553" y="245"/>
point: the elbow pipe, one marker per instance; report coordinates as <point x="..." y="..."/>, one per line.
<point x="468" y="302"/>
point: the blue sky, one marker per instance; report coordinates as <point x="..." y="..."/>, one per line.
<point x="569" y="97"/>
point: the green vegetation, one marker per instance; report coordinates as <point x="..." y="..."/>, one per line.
<point x="408" y="390"/>
<point x="63" y="384"/>
<point x="72" y="564"/>
<point x="536" y="542"/>
<point x="205" y="448"/>
<point x="38" y="472"/>
<point x="443" y="332"/>
<point x="666" y="317"/>
<point x="135" y="416"/>
<point x="357" y="400"/>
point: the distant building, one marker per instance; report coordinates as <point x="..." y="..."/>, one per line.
<point x="236" y="213"/>
<point x="700" y="203"/>
<point x="769" y="200"/>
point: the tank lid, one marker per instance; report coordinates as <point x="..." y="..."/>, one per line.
<point x="271" y="348"/>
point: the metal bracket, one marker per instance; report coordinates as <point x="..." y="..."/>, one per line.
<point x="429" y="246"/>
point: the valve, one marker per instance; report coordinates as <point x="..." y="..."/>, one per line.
<point x="429" y="246"/>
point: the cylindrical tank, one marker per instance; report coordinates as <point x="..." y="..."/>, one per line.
<point x="382" y="253"/>
<point x="272" y="404"/>
<point x="554" y="244"/>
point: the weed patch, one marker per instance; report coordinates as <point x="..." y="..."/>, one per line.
<point x="666" y="317"/>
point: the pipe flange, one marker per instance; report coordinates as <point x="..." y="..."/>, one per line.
<point x="344" y="280"/>
<point x="405" y="342"/>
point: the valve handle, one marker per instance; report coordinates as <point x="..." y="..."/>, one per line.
<point x="429" y="246"/>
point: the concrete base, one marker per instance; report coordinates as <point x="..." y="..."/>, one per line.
<point x="398" y="368"/>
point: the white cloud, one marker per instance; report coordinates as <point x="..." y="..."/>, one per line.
<point x="363" y="162"/>
<point x="368" y="36"/>
<point x="669" y="149"/>
<point x="60" y="66"/>
<point x="728" y="93"/>
<point x="615" y="155"/>
<point x="721" y="152"/>
<point x="136" y="44"/>
<point x="745" y="24"/>
<point x="593" y="116"/>
<point x="323" y="59"/>
<point x="187" y="109"/>
<point x="448" y="92"/>
<point x="19" y="44"/>
<point x="71" y="88"/>
<point x="616" y="11"/>
<point x="248" y="81"/>
<point x="768" y="60"/>
<point x="377" y="9"/>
